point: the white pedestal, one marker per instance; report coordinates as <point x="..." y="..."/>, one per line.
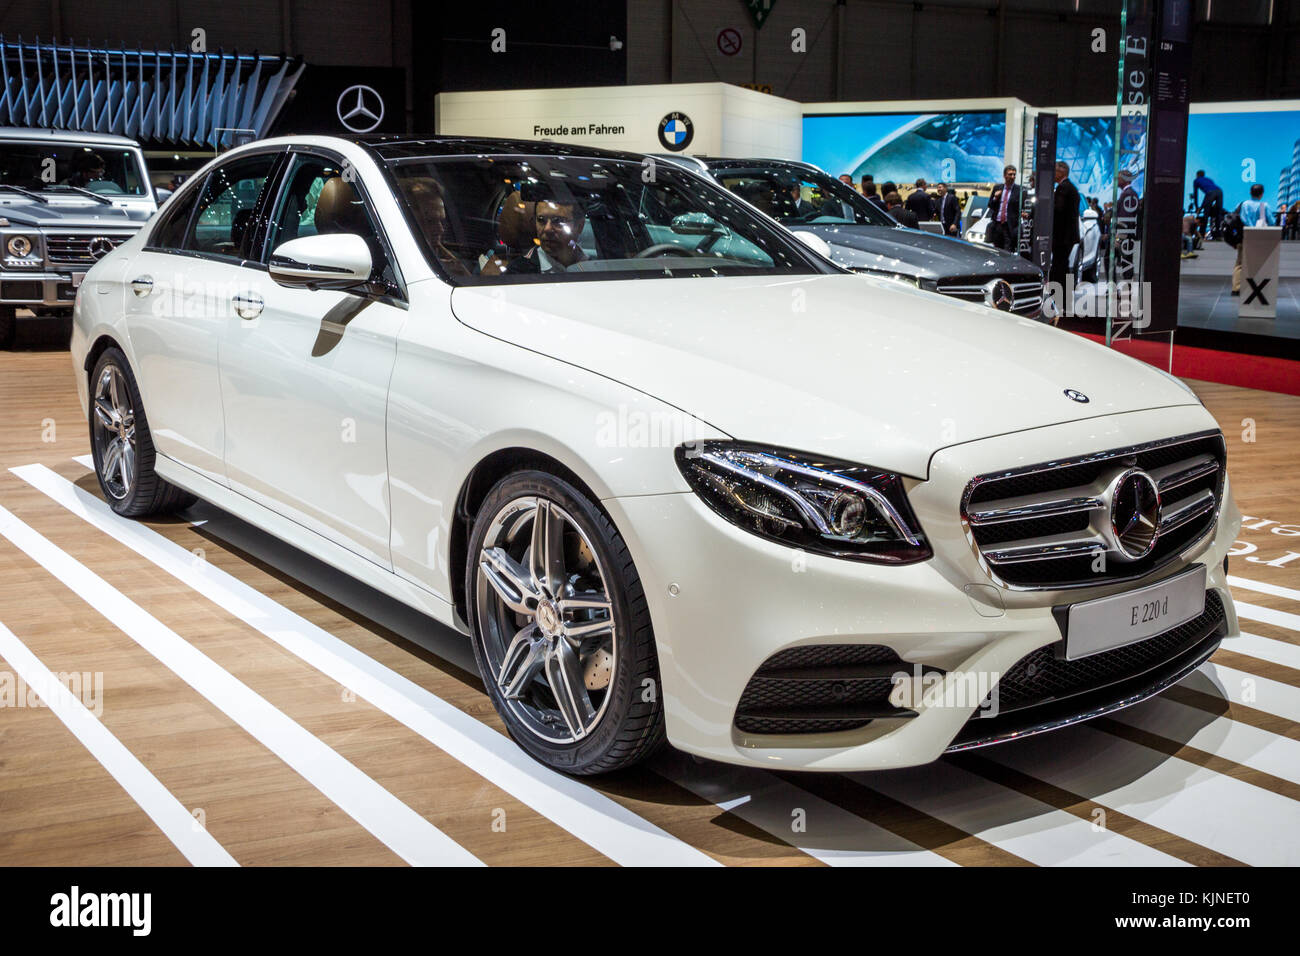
<point x="1261" y="252"/>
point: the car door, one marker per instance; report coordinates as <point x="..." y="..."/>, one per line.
<point x="304" y="374"/>
<point x="177" y="302"/>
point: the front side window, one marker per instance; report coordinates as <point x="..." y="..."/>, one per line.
<point x="488" y="219"/>
<point x="224" y="226"/>
<point x="66" y="167"/>
<point x="796" y="196"/>
<point x="319" y="199"/>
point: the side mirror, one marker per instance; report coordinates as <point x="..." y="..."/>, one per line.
<point x="695" y="224"/>
<point x="331" y="261"/>
<point x="814" y="242"/>
<point x="161" y="195"/>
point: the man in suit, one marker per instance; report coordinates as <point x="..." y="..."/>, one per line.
<point x="869" y="191"/>
<point x="919" y="203"/>
<point x="949" y="210"/>
<point x="1004" y="212"/>
<point x="901" y="213"/>
<point x="1065" y="223"/>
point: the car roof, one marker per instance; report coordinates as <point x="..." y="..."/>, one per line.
<point x="391" y="147"/>
<point x="65" y="135"/>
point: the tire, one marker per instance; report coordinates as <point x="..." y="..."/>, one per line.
<point x="8" y="325"/>
<point x="135" y="490"/>
<point x="621" y="722"/>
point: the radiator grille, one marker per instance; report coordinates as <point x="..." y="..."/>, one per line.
<point x="1046" y="526"/>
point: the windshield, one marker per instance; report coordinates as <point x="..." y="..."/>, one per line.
<point x="47" y="166"/>
<point x="499" y="219"/>
<point x="796" y="195"/>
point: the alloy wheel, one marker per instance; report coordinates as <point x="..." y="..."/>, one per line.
<point x="546" y="619"/>
<point x="115" y="432"/>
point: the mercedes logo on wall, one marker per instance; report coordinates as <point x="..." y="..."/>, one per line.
<point x="676" y="131"/>
<point x="360" y="108"/>
<point x="100" y="246"/>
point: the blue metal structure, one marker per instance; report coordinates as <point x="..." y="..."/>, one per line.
<point x="173" y="99"/>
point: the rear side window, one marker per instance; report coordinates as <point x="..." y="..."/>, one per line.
<point x="224" y="225"/>
<point x="169" y="234"/>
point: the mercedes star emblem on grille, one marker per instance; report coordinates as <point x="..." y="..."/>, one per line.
<point x="998" y="295"/>
<point x="1075" y="395"/>
<point x="100" y="246"/>
<point x="1134" y="514"/>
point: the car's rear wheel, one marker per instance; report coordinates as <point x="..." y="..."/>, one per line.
<point x="121" y="445"/>
<point x="561" y="630"/>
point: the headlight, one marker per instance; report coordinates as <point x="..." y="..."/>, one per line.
<point x="19" y="246"/>
<point x="830" y="507"/>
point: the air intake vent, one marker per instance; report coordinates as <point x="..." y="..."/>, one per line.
<point x="820" y="688"/>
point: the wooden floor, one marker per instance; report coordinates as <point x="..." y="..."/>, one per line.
<point x="1209" y="773"/>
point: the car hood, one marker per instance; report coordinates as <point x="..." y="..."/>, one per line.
<point x="65" y="211"/>
<point x="840" y="365"/>
<point x="915" y="253"/>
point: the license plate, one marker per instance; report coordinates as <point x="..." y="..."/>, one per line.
<point x="1110" y="622"/>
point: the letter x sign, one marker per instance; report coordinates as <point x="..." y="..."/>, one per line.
<point x="1257" y="292"/>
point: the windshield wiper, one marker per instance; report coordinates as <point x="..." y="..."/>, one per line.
<point x="85" y="192"/>
<point x="26" y="192"/>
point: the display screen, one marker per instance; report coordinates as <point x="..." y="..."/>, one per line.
<point x="1238" y="149"/>
<point x="904" y="147"/>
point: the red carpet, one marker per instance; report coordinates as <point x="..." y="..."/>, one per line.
<point x="1209" y="365"/>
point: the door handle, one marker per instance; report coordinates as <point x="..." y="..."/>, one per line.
<point x="248" y="305"/>
<point x="142" y="285"/>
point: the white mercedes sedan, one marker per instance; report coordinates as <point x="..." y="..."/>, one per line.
<point x="676" y="476"/>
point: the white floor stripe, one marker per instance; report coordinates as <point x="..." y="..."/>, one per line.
<point x="589" y="815"/>
<point x="1254" y="612"/>
<point x="1261" y="693"/>
<point x="1248" y="823"/>
<point x="1265" y="649"/>
<point x="195" y="843"/>
<point x="408" y="834"/>
<point x="1010" y="820"/>
<point x="1222" y="736"/>
<point x="831" y="834"/>
<point x="1263" y="587"/>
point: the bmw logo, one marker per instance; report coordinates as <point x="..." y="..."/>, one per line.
<point x="676" y="132"/>
<point x="1075" y="395"/>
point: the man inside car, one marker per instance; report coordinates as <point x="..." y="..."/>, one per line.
<point x="559" y="225"/>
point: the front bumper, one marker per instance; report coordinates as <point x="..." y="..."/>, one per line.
<point x="723" y="601"/>
<point x="39" y="289"/>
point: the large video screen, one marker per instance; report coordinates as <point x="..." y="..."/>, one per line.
<point x="1238" y="149"/>
<point x="904" y="147"/>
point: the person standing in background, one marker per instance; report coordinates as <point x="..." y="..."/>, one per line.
<point x="1004" y="211"/>
<point x="1253" y="212"/>
<point x="1211" y="205"/>
<point x="869" y="191"/>
<point x="1065" y="223"/>
<point x="949" y="210"/>
<point x="901" y="213"/>
<point x="919" y="203"/>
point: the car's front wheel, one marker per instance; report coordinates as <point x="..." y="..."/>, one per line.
<point x="121" y="445"/>
<point x="561" y="630"/>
